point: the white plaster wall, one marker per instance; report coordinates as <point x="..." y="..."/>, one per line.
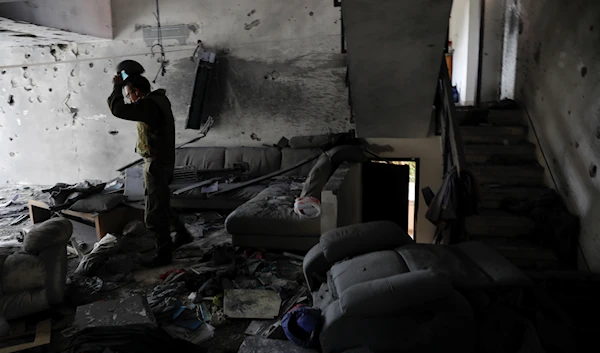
<point x="80" y="16"/>
<point x="429" y="152"/>
<point x="465" y="23"/>
<point x="298" y="43"/>
<point x="512" y="29"/>
<point x="473" y="52"/>
<point x="557" y="77"/>
<point x="492" y="50"/>
<point x="459" y="35"/>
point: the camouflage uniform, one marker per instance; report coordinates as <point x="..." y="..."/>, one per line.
<point x="156" y="144"/>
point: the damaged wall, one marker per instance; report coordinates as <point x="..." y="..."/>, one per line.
<point x="429" y="153"/>
<point x="553" y="62"/>
<point x="284" y="76"/>
<point x="459" y="35"/>
<point x="464" y="32"/>
<point x="491" y="50"/>
<point x="86" y="17"/>
<point x="466" y="29"/>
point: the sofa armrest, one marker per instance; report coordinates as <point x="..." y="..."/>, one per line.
<point x="358" y="239"/>
<point x="396" y="294"/>
<point x="337" y="178"/>
<point x="55" y="231"/>
<point x="315" y="267"/>
<point x="340" y="198"/>
<point x="498" y="269"/>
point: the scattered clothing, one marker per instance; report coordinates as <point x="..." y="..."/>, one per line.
<point x="63" y="196"/>
<point x="86" y="285"/>
<point x="171" y="273"/>
<point x="103" y="249"/>
<point x="97" y="203"/>
<point x="458" y="197"/>
<point x="164" y="299"/>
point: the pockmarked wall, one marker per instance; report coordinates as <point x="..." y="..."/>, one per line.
<point x="280" y="73"/>
<point x="552" y="66"/>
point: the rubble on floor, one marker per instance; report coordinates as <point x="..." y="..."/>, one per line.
<point x="119" y="312"/>
<point x="206" y="297"/>
<point x="14" y="214"/>
<point x="251" y="304"/>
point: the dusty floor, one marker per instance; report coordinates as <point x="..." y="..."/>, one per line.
<point x="228" y="335"/>
<point x="8" y="214"/>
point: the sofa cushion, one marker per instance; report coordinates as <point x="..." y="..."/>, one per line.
<point x="356" y="239"/>
<point x="311" y="141"/>
<point x="202" y="158"/>
<point x="97" y="203"/>
<point x="271" y="212"/>
<point x="365" y="268"/>
<point x="21" y="272"/>
<point x="291" y="157"/>
<point x="450" y="261"/>
<point x="261" y="160"/>
<point x="16" y="305"/>
<point x="243" y="194"/>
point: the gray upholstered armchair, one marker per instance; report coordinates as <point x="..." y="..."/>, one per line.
<point x="34" y="278"/>
<point x="377" y="288"/>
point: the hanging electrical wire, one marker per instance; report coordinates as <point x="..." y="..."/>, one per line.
<point x="199" y="47"/>
<point x="163" y="61"/>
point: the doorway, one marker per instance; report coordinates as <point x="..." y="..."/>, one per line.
<point x="462" y="51"/>
<point x="389" y="192"/>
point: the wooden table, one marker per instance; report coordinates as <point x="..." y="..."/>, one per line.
<point x="109" y="222"/>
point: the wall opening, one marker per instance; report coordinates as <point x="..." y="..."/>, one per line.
<point x="463" y="49"/>
<point x="389" y="190"/>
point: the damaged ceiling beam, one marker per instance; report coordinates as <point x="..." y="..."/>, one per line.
<point x="17" y="33"/>
<point x="42" y="22"/>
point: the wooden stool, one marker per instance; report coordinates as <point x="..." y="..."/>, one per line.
<point x="14" y="342"/>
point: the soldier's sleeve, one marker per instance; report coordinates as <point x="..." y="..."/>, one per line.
<point x="145" y="110"/>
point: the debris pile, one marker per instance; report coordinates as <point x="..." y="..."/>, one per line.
<point x="213" y="293"/>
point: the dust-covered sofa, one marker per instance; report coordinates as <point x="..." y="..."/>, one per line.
<point x="375" y="287"/>
<point x="263" y="214"/>
<point x="34" y="278"/>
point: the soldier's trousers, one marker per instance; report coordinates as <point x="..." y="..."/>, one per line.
<point x="158" y="214"/>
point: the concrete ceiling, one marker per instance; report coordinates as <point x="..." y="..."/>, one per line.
<point x="17" y="33"/>
<point x="43" y="22"/>
<point x="395" y="52"/>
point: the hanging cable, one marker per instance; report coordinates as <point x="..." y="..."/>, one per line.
<point x="163" y="68"/>
<point x="200" y="46"/>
